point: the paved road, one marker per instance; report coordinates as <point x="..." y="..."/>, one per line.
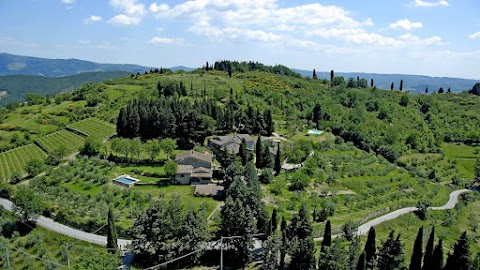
<point x="122" y="243"/>
<point x="364" y="228"/>
<point x="51" y="225"/>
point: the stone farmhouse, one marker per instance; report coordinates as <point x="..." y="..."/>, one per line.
<point x="194" y="168"/>
<point x="230" y="143"/>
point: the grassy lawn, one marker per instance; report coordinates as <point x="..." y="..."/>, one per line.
<point x="464" y="155"/>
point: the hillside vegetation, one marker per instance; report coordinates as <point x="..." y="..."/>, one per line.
<point x="381" y="150"/>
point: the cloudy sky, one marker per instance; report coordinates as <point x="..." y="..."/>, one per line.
<point x="427" y="37"/>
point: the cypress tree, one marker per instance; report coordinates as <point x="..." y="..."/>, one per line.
<point x="283" y="247"/>
<point x="122" y="122"/>
<point x="391" y="87"/>
<point x="327" y="235"/>
<point x="278" y="161"/>
<point x="370" y="247"/>
<point x="427" y="257"/>
<point x="416" y="260"/>
<point x="371" y="83"/>
<point x="401" y="85"/>
<point x="243" y="152"/>
<point x="273" y="220"/>
<point x="460" y="259"/>
<point x="332" y="75"/>
<point x="314" y="76"/>
<point x="362" y="262"/>
<point x="269" y="123"/>
<point x="111" y="233"/>
<point x="390" y="255"/>
<point x="437" y="262"/>
<point x="259" y="153"/>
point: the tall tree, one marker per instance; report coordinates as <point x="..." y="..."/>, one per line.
<point x="112" y="246"/>
<point x="391" y="86"/>
<point x="332" y="75"/>
<point x="283" y="247"/>
<point x="316" y="114"/>
<point x="269" y="124"/>
<point x="417" y="255"/>
<point x="371" y="83"/>
<point x="460" y="259"/>
<point x="427" y="257"/>
<point x="302" y="249"/>
<point x="327" y="235"/>
<point x="278" y="160"/>
<point x="401" y="85"/>
<point x="271" y="251"/>
<point x="314" y="75"/>
<point x="362" y="262"/>
<point x="390" y="254"/>
<point x="437" y="262"/>
<point x="243" y="152"/>
<point x="259" y="153"/>
<point x="370" y="248"/>
<point x="122" y="123"/>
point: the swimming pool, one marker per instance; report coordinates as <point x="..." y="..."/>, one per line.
<point x="125" y="180"/>
<point x="315" y="132"/>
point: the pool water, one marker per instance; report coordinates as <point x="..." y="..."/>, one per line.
<point x="315" y="132"/>
<point x="125" y="180"/>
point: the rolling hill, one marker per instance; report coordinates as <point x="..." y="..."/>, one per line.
<point x="14" y="87"/>
<point x="412" y="83"/>
<point x="26" y="65"/>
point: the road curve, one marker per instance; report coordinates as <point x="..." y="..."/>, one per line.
<point x="52" y="225"/>
<point x="364" y="228"/>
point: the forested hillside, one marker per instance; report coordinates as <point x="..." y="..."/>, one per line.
<point x="17" y="86"/>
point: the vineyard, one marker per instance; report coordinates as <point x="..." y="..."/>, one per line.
<point x="14" y="161"/>
<point x="94" y="127"/>
<point x="62" y="138"/>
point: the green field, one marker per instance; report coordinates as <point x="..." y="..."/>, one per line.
<point x="464" y="155"/>
<point x="14" y="161"/>
<point x="95" y="128"/>
<point x="61" y="138"/>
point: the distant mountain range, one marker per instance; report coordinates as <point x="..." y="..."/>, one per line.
<point x="26" y="65"/>
<point x="411" y="83"/>
<point x="14" y="87"/>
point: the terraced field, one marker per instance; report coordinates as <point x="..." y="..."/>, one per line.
<point x="61" y="138"/>
<point x="15" y="160"/>
<point x="95" y="128"/>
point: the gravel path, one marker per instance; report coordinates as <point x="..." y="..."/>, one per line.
<point x="52" y="225"/>
<point x="122" y="243"/>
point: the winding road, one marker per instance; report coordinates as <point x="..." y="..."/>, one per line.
<point x="50" y="224"/>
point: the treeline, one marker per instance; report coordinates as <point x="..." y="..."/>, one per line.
<point x="171" y="117"/>
<point x="235" y="66"/>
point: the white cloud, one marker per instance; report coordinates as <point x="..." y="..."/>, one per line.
<point x="474" y="35"/>
<point x="406" y="24"/>
<point x="165" y="40"/>
<point x="155" y="8"/>
<point x="422" y="3"/>
<point x="299" y="26"/>
<point x="92" y="19"/>
<point x="131" y="12"/>
<point x="123" y="19"/>
<point x="68" y="2"/>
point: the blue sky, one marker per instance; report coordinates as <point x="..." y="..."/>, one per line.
<point x="426" y="37"/>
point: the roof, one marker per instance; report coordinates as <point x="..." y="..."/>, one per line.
<point x="194" y="154"/>
<point x="201" y="173"/>
<point x="184" y="169"/>
<point x="236" y="138"/>
<point x="208" y="190"/>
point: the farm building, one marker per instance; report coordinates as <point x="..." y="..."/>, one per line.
<point x="194" y="168"/>
<point x="125" y="181"/>
<point x="230" y="143"/>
